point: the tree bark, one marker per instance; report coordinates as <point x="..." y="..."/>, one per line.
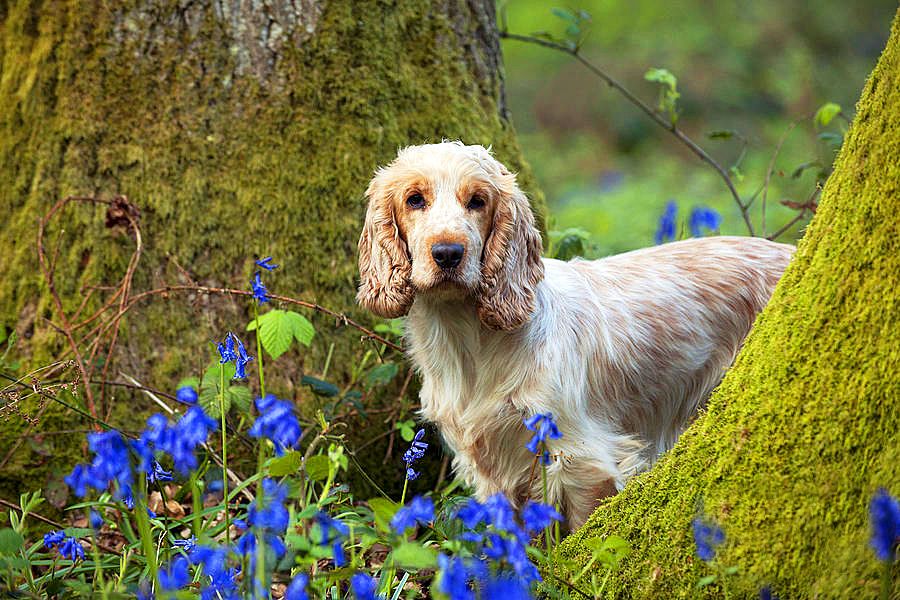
<point x="238" y="129"/>
<point x="804" y="428"/>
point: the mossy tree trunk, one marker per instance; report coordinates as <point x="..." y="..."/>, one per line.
<point x="806" y="425"/>
<point x="239" y="130"/>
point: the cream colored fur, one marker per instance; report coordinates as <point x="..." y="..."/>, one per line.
<point x="622" y="351"/>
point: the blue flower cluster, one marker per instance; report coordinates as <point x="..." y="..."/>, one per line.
<point x="68" y="546"/>
<point x="333" y="532"/>
<point x="707" y="536"/>
<point x="502" y="540"/>
<point x="415" y="452"/>
<point x="419" y="510"/>
<point x="277" y="422"/>
<point x="259" y="289"/>
<point x="232" y="349"/>
<point x="701" y="218"/>
<point x="884" y="512"/>
<point x="112" y="466"/>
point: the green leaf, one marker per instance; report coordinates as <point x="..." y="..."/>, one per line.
<point x="705" y="581"/>
<point x="288" y="464"/>
<point x="564" y="14"/>
<point x="211" y="376"/>
<point x="663" y="77"/>
<point x="11" y="541"/>
<point x="384" y="510"/>
<point x="731" y="570"/>
<point x="826" y="113"/>
<point x="239" y="396"/>
<point x="382" y="374"/>
<point x="406" y="431"/>
<point x="721" y="134"/>
<point x="414" y="556"/>
<point x="320" y="387"/>
<point x="276" y="330"/>
<point x="209" y="401"/>
<point x="317" y="467"/>
<point x="302" y="329"/>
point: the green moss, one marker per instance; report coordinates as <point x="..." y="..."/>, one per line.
<point x="223" y="164"/>
<point x="805" y="426"/>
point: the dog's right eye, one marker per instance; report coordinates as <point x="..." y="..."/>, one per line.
<point x="416" y="201"/>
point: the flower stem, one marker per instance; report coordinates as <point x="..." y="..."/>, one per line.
<point x="224" y="453"/>
<point x="143" y="523"/>
<point x="260" y="566"/>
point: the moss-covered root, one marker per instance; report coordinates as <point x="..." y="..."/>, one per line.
<point x="806" y="425"/>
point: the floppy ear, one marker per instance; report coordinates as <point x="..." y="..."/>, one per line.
<point x="384" y="266"/>
<point x="511" y="265"/>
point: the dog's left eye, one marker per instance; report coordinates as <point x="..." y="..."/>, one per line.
<point x="475" y="202"/>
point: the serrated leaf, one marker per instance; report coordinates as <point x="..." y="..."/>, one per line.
<point x="826" y="113"/>
<point x="209" y="401"/>
<point x="320" y="387"/>
<point x="275" y="331"/>
<point x="302" y="330"/>
<point x="317" y="467"/>
<point x="239" y="396"/>
<point x="288" y="464"/>
<point x="414" y="556"/>
<point x="211" y="376"/>
<point x="11" y="541"/>
<point x="382" y="374"/>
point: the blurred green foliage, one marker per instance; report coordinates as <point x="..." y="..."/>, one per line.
<point x="749" y="68"/>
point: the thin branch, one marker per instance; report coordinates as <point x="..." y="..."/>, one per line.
<point x="659" y="119"/>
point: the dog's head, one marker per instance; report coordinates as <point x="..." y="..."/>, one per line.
<point x="448" y="219"/>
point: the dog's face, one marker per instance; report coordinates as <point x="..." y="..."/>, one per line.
<point x="449" y="219"/>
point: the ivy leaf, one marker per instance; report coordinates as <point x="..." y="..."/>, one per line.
<point x="826" y="113"/>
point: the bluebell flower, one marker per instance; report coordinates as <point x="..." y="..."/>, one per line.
<point x="537" y="516"/>
<point x="472" y="514"/>
<point x="707" y="536"/>
<point x="544" y="459"/>
<point x="276" y="422"/>
<point x="189" y="432"/>
<point x="187" y="545"/>
<point x="226" y="349"/>
<point x="507" y="587"/>
<point x="259" y="289"/>
<point x="415" y="452"/>
<point x="176" y="576"/>
<point x="268" y="510"/>
<point x="363" y="586"/>
<point x="240" y="363"/>
<point x="766" y="594"/>
<point x="221" y="583"/>
<point x="544" y="428"/>
<point x="246" y="545"/>
<point x="327" y="526"/>
<point x="884" y="512"/>
<point x="157" y="473"/>
<point x="145" y="590"/>
<point x="703" y="218"/>
<point x="297" y="588"/>
<point x="419" y="510"/>
<point x="454" y="578"/>
<point x="71" y="549"/>
<point x="54" y="538"/>
<point x="266" y="263"/>
<point x="95" y="519"/>
<point x="112" y="461"/>
<point x="337" y="551"/>
<point x="186" y="394"/>
<point x="501" y="514"/>
<point x="666" y="231"/>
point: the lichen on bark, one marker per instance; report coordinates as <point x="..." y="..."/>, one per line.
<point x="237" y="136"/>
<point x="806" y="424"/>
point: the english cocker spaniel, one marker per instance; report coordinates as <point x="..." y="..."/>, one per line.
<point x="622" y="351"/>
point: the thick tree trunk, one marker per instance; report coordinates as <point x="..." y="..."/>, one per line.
<point x="806" y="425"/>
<point x="239" y="130"/>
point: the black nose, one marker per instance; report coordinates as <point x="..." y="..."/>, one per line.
<point x="447" y="256"/>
